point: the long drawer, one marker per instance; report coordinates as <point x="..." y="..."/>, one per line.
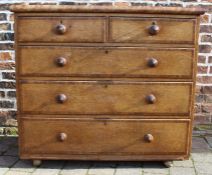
<point x="152" y="30"/>
<point x="61" y="29"/>
<point x="106" y="62"/>
<point x="43" y="137"/>
<point x="101" y="97"/>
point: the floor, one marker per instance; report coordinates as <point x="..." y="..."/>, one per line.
<point x="200" y="163"/>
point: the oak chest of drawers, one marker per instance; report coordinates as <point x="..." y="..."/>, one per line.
<point x="105" y="83"/>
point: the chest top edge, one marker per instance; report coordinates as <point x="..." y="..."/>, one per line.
<point x="105" y="9"/>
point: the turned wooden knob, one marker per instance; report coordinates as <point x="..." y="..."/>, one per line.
<point x="61" y="61"/>
<point x="61" y="98"/>
<point x="152" y="62"/>
<point x="148" y="137"/>
<point x="61" y="29"/>
<point x="151" y="99"/>
<point x="154" y="29"/>
<point x="62" y="136"/>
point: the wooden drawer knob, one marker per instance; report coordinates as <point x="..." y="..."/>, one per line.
<point x="151" y="99"/>
<point x="154" y="29"/>
<point x="61" y="61"/>
<point x="148" y="137"/>
<point x="62" y="136"/>
<point x="61" y="29"/>
<point x="61" y="98"/>
<point x="152" y="62"/>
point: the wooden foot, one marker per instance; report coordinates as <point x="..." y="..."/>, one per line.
<point x="36" y="163"/>
<point x="168" y="164"/>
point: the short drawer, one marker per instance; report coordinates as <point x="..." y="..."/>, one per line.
<point x="61" y="29"/>
<point x="105" y="137"/>
<point x="81" y="97"/>
<point x="106" y="62"/>
<point x="152" y="30"/>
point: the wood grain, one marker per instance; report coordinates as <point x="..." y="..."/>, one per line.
<point x="109" y="62"/>
<point x="106" y="98"/>
<point x="102" y="112"/>
<point x="103" y="137"/>
<point x="171" y="30"/>
<point x="79" y="29"/>
<point x="106" y="9"/>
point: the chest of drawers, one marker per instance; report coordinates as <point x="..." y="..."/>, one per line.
<point x="105" y="83"/>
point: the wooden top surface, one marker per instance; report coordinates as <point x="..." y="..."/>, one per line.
<point x="106" y="9"/>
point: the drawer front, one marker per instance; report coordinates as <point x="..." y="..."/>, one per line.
<point x="74" y="97"/>
<point x="61" y="29"/>
<point x="152" y="30"/>
<point x="105" y="137"/>
<point x="106" y="62"/>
